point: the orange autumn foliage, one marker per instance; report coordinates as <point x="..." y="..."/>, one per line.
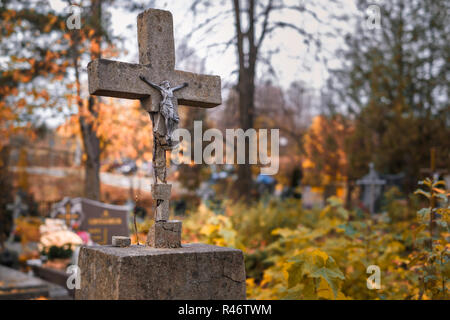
<point x="324" y="143"/>
<point x="123" y="128"/>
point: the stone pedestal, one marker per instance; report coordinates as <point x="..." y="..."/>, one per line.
<point x="194" y="271"/>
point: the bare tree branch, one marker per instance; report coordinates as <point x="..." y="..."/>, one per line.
<point x="265" y="23"/>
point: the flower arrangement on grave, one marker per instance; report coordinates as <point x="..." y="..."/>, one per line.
<point x="57" y="242"/>
<point x="84" y="235"/>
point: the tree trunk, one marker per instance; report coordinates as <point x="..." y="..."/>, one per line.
<point x="92" y="180"/>
<point x="246" y="89"/>
<point x="90" y="140"/>
<point x="246" y="121"/>
<point x="92" y="150"/>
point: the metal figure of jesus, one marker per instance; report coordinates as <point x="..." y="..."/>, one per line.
<point x="167" y="108"/>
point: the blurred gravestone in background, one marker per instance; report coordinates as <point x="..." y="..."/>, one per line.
<point x="100" y="220"/>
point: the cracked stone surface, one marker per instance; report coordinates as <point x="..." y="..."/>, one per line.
<point x="194" y="271"/>
<point x="165" y="234"/>
<point x="161" y="193"/>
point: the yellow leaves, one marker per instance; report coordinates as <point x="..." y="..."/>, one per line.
<point x="207" y="230"/>
<point x="312" y="263"/>
<point x="423" y="193"/>
<point x="417" y="230"/>
<point x="394" y="247"/>
<point x="324" y="291"/>
<point x="305" y="258"/>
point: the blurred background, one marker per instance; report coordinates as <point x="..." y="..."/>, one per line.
<point x="358" y="89"/>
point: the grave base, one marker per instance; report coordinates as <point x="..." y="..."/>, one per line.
<point x="194" y="271"/>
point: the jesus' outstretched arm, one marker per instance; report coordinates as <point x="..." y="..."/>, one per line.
<point x="180" y="86"/>
<point x="151" y="84"/>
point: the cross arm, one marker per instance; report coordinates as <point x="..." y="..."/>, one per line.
<point x="122" y="80"/>
<point x="116" y="79"/>
<point x="202" y="90"/>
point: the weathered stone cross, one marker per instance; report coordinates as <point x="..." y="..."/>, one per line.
<point x="126" y="80"/>
<point x="17" y="208"/>
<point x="371" y="180"/>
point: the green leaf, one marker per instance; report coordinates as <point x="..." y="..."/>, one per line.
<point x="424" y="211"/>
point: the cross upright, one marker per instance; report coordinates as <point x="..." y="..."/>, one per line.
<point x="371" y="180"/>
<point x="432" y="170"/>
<point x="146" y="81"/>
<point x="17" y="208"/>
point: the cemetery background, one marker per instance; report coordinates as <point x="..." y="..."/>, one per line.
<point x="324" y="151"/>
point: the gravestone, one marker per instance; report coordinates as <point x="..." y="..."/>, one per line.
<point x="18" y="285"/>
<point x="163" y="268"/>
<point x="101" y="220"/>
<point x="372" y="188"/>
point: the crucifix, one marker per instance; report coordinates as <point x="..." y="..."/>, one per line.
<point x="435" y="172"/>
<point x="68" y="215"/>
<point x="371" y="180"/>
<point x="17" y="208"/>
<point x="159" y="87"/>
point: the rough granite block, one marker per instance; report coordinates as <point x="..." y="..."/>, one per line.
<point x="165" y="234"/>
<point x="194" y="271"/>
<point x="118" y="241"/>
<point x="161" y="191"/>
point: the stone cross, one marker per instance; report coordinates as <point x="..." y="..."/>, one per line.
<point x="372" y="179"/>
<point x="17" y="208"/>
<point x="435" y="173"/>
<point x="145" y="81"/>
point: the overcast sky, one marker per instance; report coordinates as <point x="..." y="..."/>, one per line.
<point x="294" y="62"/>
